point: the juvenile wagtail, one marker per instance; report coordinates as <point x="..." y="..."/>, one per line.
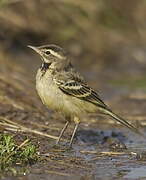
<point x="63" y="89"/>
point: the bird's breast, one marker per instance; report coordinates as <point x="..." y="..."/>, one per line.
<point x="48" y="91"/>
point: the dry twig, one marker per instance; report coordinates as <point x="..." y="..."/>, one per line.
<point x="11" y="125"/>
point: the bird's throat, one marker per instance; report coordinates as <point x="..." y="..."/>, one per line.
<point x="45" y="66"/>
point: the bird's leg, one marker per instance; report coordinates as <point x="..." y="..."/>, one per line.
<point x="62" y="132"/>
<point x="77" y="122"/>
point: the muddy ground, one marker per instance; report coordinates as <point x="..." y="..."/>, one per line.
<point x="102" y="148"/>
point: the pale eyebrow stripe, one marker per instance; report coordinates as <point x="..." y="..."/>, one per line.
<point x="56" y="54"/>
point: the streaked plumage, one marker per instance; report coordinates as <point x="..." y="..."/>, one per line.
<point x="63" y="89"/>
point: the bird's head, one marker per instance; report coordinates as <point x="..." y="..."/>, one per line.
<point x="49" y="53"/>
<point x="52" y="55"/>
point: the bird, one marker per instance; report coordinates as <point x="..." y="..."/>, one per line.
<point x="63" y="89"/>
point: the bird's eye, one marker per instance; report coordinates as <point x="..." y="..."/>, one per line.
<point x="47" y="52"/>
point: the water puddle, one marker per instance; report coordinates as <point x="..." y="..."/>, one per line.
<point x="139" y="172"/>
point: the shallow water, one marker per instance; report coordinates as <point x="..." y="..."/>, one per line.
<point x="139" y="172"/>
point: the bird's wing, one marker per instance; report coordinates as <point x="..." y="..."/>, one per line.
<point x="74" y="85"/>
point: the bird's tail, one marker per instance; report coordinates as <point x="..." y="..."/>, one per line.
<point x="122" y="121"/>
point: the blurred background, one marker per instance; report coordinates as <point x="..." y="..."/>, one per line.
<point x="106" y="40"/>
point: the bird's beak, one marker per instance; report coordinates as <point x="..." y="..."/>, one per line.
<point x="34" y="48"/>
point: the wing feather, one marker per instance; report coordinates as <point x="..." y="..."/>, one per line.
<point x="79" y="89"/>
